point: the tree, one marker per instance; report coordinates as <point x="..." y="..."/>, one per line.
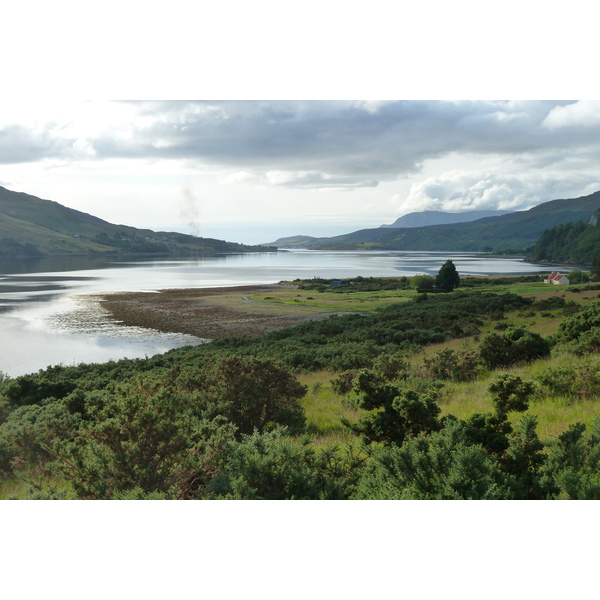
<point x="578" y="276"/>
<point x="447" y="277"/>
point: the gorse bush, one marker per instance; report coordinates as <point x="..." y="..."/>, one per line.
<point x="585" y="320"/>
<point x="396" y="413"/>
<point x="573" y="382"/>
<point x="273" y="466"/>
<point x="447" y="364"/>
<point x="515" y="345"/>
<point x="442" y="466"/>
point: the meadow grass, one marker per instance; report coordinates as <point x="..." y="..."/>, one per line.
<point x="324" y="408"/>
<point x="335" y="301"/>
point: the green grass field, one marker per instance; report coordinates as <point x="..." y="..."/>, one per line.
<point x="336" y="301"/>
<point x="554" y="413"/>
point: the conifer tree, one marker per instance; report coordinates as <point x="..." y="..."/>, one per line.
<point x="447" y="277"/>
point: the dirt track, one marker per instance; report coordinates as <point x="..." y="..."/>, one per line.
<point x="210" y="313"/>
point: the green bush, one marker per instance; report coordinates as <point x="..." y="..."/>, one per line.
<point x="514" y="346"/>
<point x="447" y="364"/>
<point x="251" y="393"/>
<point x="582" y="381"/>
<point x="144" y="439"/>
<point x="273" y="466"/>
<point x="444" y="465"/>
<point x="395" y="413"/>
<point x="572" y="469"/>
<point x="583" y="321"/>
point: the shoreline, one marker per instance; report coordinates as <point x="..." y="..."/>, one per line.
<point x="208" y="313"/>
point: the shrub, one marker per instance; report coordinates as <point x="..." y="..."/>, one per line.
<point x="272" y="466"/>
<point x="574" y="326"/>
<point x="516" y="345"/>
<point x="391" y="367"/>
<point x="396" y="413"/>
<point x="510" y="393"/>
<point x="582" y="381"/>
<point x="423" y="282"/>
<point x="444" y="465"/>
<point x="251" y="393"/>
<point x="144" y="440"/>
<point x="343" y="383"/>
<point x="448" y="364"/>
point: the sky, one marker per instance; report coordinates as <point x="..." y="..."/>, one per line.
<point x="243" y="170"/>
<point x="251" y="129"/>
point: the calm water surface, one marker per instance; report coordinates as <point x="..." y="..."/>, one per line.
<point x="47" y="316"/>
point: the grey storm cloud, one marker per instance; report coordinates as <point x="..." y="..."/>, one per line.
<point x="322" y="143"/>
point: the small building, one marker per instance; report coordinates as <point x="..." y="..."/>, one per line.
<point x="336" y="282"/>
<point x="557" y="279"/>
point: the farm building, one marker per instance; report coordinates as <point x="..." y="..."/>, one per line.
<point x="557" y="279"/>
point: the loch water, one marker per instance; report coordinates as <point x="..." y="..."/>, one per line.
<point x="48" y="315"/>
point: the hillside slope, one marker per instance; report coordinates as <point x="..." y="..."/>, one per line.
<point x="30" y="226"/>
<point x="575" y="243"/>
<point x="516" y="231"/>
<point x="426" y="218"/>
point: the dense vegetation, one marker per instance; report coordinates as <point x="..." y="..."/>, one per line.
<point x="575" y="243"/>
<point x="228" y="420"/>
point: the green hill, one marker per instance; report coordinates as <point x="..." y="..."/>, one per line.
<point x="516" y="231"/>
<point x="30" y="226"/>
<point x="575" y="243"/>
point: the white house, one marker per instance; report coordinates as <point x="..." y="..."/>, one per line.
<point x="557" y="279"/>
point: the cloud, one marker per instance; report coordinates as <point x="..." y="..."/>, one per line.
<point x="315" y="180"/>
<point x="315" y="144"/>
<point x="584" y="114"/>
<point x="458" y="191"/>
<point x="239" y="177"/>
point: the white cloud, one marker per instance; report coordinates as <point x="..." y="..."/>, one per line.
<point x="581" y="114"/>
<point x="316" y="180"/>
<point x="239" y="177"/>
<point x="458" y="191"/>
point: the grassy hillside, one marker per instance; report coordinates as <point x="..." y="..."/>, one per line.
<point x="30" y="226"/>
<point x="513" y="232"/>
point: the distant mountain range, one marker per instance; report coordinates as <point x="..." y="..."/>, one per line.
<point x="512" y="232"/>
<point x="30" y="226"/>
<point x="436" y="217"/>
